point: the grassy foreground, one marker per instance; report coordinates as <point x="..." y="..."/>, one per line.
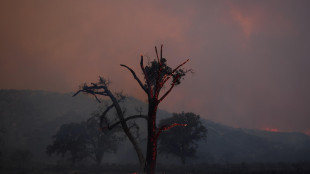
<point x="243" y="168"/>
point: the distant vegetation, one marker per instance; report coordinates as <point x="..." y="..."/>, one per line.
<point x="29" y="120"/>
<point x="182" y="142"/>
<point x="82" y="141"/>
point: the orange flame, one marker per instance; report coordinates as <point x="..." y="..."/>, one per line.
<point x="271" y="129"/>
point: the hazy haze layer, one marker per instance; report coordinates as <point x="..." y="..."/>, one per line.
<point x="251" y="58"/>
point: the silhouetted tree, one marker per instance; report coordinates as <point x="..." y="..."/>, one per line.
<point x="156" y="74"/>
<point x="100" y="142"/>
<point x="84" y="140"/>
<point x="102" y="88"/>
<point x="182" y="141"/>
<point x="71" y="138"/>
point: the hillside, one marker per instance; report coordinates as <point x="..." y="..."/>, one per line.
<point x="231" y="145"/>
<point x="28" y="120"/>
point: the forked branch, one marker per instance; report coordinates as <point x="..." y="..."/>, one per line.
<point x="126" y="119"/>
<point x="167" y="77"/>
<point x="169" y="90"/>
<point x="93" y="90"/>
<point x="103" y="115"/>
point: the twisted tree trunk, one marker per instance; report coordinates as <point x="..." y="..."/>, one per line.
<point x="126" y="129"/>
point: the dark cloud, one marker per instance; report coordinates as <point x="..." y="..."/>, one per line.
<point x="251" y="58"/>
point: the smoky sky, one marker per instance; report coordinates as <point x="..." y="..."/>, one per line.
<point x="251" y="58"/>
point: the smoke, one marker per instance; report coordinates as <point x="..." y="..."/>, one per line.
<point x="250" y="58"/>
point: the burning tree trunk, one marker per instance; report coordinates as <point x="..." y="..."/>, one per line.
<point x="152" y="139"/>
<point x="156" y="75"/>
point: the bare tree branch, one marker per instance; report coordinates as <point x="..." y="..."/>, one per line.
<point x="157" y="54"/>
<point x="161" y="51"/>
<point x="101" y="88"/>
<point x="76" y="93"/>
<point x="126" y="119"/>
<point x="92" y="93"/>
<point x="105" y="112"/>
<point x="136" y="77"/>
<point x="160" y="67"/>
<point x="94" y="86"/>
<point x="180" y="66"/>
<point x="167" y="77"/>
<point x="94" y="89"/>
<point x="96" y="98"/>
<point x="171" y="87"/>
<point x="102" y="116"/>
<point x="150" y="92"/>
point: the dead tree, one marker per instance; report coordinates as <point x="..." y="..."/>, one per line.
<point x="156" y="74"/>
<point x="102" y="88"/>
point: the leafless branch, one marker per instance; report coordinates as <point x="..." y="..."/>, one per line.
<point x="126" y="119"/>
<point x="158" y="83"/>
<point x="77" y="93"/>
<point x="161" y="51"/>
<point x="136" y="77"/>
<point x="103" y="116"/>
<point x="149" y="91"/>
<point x="167" y="77"/>
<point x="157" y="54"/>
<point x="96" y="98"/>
<point x="169" y="90"/>
<point x="91" y="92"/>
<point x="95" y="89"/>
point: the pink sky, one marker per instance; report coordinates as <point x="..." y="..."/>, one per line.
<point x="251" y="58"/>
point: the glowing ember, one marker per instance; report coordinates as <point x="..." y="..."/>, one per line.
<point x="271" y="129"/>
<point x="307" y="132"/>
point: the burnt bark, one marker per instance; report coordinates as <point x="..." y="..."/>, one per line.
<point x="156" y="75"/>
<point x="151" y="155"/>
